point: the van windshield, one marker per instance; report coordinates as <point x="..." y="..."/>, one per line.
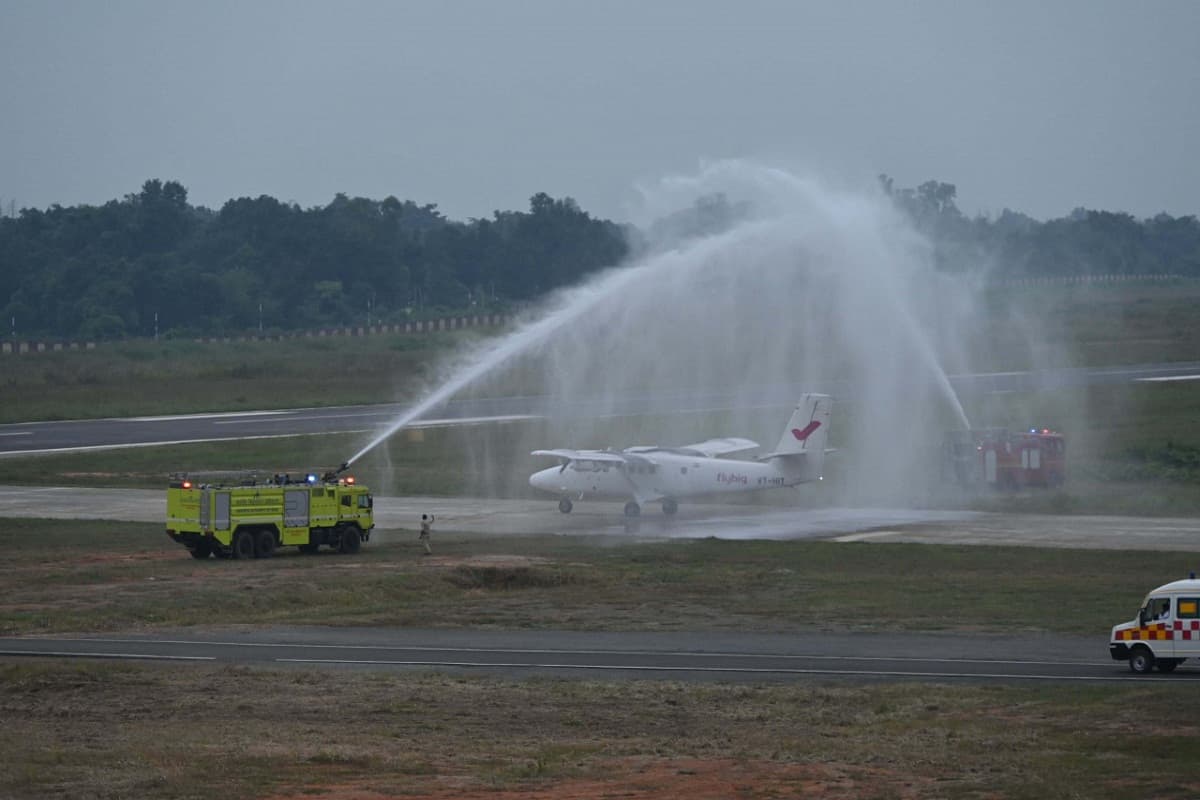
<point x="1156" y="609"/>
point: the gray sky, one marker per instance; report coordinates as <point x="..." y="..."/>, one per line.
<point x="1036" y="106"/>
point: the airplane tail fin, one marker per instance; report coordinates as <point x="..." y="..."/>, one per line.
<point x="806" y="435"/>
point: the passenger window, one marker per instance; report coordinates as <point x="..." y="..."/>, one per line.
<point x="1188" y="608"/>
<point x="346" y="501"/>
<point x="364" y="501"/>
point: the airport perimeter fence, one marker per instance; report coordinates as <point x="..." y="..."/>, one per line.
<point x="415" y="327"/>
<point x="1068" y="280"/>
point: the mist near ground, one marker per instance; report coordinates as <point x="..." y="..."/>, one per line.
<point x="753" y="281"/>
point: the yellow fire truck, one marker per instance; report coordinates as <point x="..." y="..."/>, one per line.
<point x="249" y="519"/>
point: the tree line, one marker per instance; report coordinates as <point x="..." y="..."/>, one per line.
<point x="1085" y="242"/>
<point x="153" y="263"/>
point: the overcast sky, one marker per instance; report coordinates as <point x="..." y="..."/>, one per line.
<point x="1037" y="106"/>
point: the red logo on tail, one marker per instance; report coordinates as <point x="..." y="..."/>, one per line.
<point x="802" y="435"/>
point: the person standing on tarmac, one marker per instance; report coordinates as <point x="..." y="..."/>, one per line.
<point x="426" y="524"/>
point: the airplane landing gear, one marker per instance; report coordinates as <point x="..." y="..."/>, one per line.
<point x="632" y="509"/>
<point x="669" y="506"/>
<point x="565" y="505"/>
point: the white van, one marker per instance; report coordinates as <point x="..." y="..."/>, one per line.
<point x="1166" y="631"/>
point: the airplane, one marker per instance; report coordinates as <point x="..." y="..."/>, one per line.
<point x="647" y="474"/>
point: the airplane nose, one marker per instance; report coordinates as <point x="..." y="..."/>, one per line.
<point x="543" y="480"/>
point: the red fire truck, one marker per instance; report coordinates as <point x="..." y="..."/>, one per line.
<point x="1005" y="459"/>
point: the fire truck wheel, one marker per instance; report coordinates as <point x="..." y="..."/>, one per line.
<point x="264" y="544"/>
<point x="1168" y="664"/>
<point x="1141" y="660"/>
<point x="350" y="541"/>
<point x="202" y="550"/>
<point x="243" y="544"/>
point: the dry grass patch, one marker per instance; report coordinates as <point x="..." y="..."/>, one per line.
<point x="204" y="731"/>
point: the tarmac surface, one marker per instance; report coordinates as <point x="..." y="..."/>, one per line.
<point x="689" y="656"/>
<point x="723" y="521"/>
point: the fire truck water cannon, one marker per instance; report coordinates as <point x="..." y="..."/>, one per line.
<point x="245" y="518"/>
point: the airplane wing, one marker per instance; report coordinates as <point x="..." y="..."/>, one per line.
<point x="722" y="447"/>
<point x="578" y="455"/>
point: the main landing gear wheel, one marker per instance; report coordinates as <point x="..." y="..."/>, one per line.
<point x="565" y="505"/>
<point x="670" y="506"/>
<point x="1141" y="660"/>
<point x="632" y="509"/>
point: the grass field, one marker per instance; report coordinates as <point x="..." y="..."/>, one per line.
<point x="200" y="732"/>
<point x="203" y="731"/>
<point x="171" y="377"/>
<point x="1077" y="325"/>
<point x="94" y="576"/>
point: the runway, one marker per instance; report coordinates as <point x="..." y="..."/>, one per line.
<point x="81" y="435"/>
<point x="706" y="656"/>
<point x="501" y="517"/>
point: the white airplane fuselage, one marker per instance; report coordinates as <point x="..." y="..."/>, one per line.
<point x="647" y="474"/>
<point x="671" y="475"/>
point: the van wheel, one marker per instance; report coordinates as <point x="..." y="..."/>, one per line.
<point x="1141" y="660"/>
<point x="1168" y="664"/>
<point x="264" y="544"/>
<point x="565" y="505"/>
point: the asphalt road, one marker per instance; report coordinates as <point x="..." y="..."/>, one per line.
<point x="74" y="435"/>
<point x="674" y="656"/>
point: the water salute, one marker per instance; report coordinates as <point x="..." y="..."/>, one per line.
<point x="543" y="400"/>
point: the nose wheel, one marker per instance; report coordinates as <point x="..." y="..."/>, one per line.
<point x="632" y="509"/>
<point x="669" y="506"/>
<point x="565" y="505"/>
